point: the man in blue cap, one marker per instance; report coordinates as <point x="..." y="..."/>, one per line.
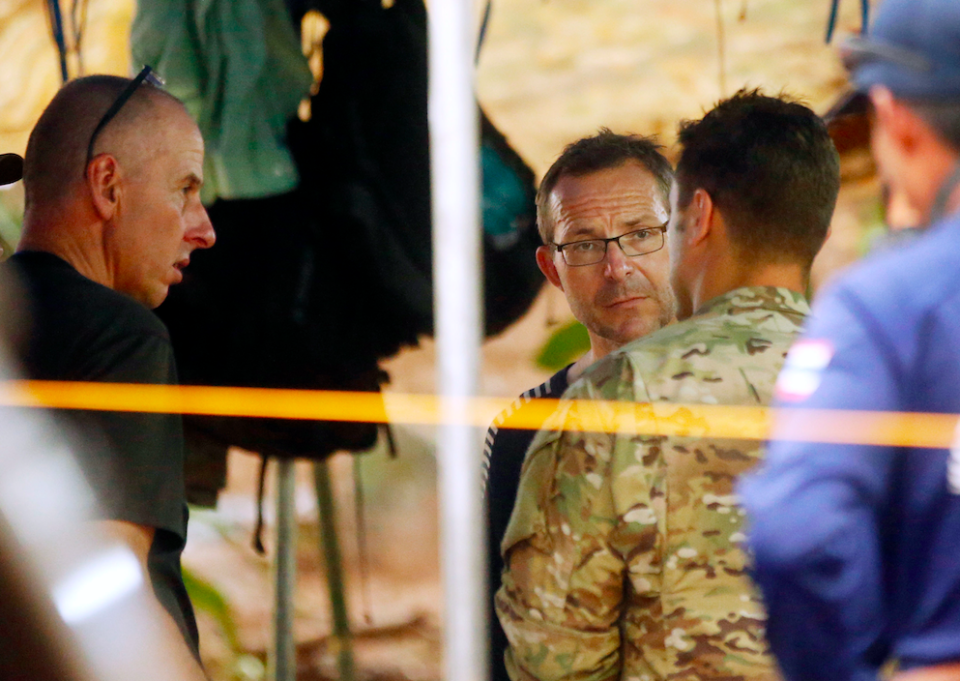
<point x="858" y="546"/>
<point x="112" y="213"/>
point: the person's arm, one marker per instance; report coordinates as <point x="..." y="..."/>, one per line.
<point x="563" y="583"/>
<point x="503" y="450"/>
<point x="560" y="615"/>
<point x="139" y="538"/>
<point x="814" y="507"/>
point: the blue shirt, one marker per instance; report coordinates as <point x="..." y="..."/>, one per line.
<point x="858" y="547"/>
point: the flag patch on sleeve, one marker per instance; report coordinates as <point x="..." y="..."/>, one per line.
<point x="801" y="373"/>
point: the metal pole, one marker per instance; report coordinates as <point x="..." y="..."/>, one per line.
<point x="455" y="166"/>
<point x="283" y="658"/>
<point x="342" y="643"/>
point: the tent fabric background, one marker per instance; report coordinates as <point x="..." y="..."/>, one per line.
<point x="549" y="73"/>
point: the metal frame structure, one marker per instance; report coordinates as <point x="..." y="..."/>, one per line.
<point x="458" y="323"/>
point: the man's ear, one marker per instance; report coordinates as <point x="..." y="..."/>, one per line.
<point x="700" y="217"/>
<point x="103" y="181"/>
<point x="547" y="266"/>
<point x="899" y="123"/>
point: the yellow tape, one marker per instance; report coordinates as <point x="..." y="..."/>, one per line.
<point x="715" y="421"/>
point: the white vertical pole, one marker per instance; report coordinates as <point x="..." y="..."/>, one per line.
<point x="454" y="142"/>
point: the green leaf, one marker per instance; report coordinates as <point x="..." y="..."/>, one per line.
<point x="205" y="597"/>
<point x="564" y="346"/>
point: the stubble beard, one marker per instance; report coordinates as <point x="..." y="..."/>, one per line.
<point x="662" y="297"/>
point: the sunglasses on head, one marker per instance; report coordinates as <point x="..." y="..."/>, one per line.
<point x="146" y="75"/>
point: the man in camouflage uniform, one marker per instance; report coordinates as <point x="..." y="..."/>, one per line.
<point x="623" y="552"/>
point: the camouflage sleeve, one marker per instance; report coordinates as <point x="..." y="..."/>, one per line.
<point x="565" y="551"/>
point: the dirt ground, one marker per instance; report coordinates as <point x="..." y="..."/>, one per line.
<point x="393" y="592"/>
<point x="550" y="71"/>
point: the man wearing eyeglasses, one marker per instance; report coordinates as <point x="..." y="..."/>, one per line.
<point x="623" y="551"/>
<point x="602" y="209"/>
<point x="112" y="175"/>
<point x="858" y="546"/>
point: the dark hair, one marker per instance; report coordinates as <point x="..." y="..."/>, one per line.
<point x="604" y="150"/>
<point x="770" y="168"/>
<point x="943" y="117"/>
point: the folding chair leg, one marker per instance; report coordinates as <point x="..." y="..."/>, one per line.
<point x="282" y="661"/>
<point x="342" y="642"/>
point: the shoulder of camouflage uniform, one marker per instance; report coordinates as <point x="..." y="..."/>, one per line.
<point x="607" y="379"/>
<point x="764" y="300"/>
<point x="611" y="378"/>
<point x="735" y="318"/>
<point x="742" y="323"/>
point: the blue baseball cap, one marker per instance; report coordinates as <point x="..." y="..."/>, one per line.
<point x="912" y="49"/>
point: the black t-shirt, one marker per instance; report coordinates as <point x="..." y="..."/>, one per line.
<point x="504" y="451"/>
<point x="79" y="330"/>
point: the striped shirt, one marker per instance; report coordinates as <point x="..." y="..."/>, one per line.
<point x="503" y="454"/>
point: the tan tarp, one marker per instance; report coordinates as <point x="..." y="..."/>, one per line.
<point x="29" y="62"/>
<point x="551" y="71"/>
<point x="30" y="74"/>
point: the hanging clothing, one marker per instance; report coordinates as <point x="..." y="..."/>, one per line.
<point x="238" y="67"/>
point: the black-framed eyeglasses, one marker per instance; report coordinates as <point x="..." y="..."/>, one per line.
<point x="592" y="251"/>
<point x="145" y="75"/>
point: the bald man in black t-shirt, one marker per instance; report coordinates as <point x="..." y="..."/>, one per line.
<point x="112" y="175"/>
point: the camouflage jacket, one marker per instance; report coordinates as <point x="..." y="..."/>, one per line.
<point x="622" y="554"/>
